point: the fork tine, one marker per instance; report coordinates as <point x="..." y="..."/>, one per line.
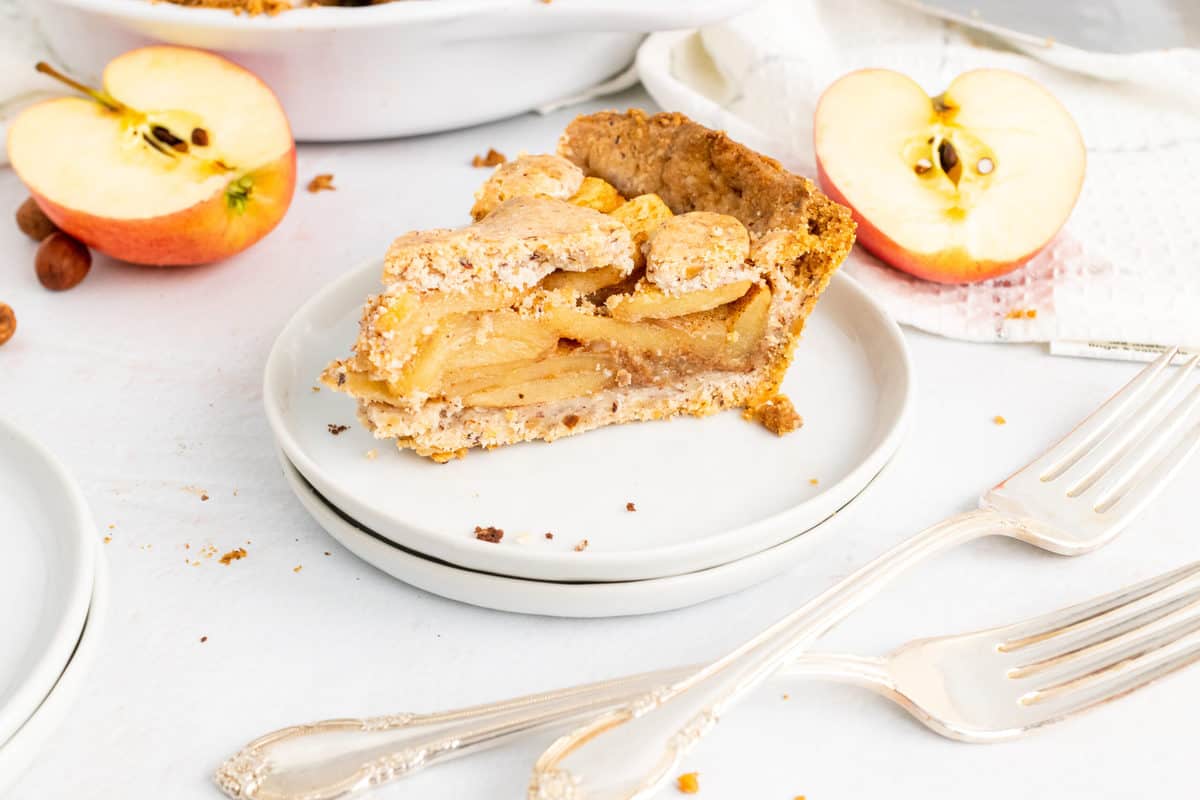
<point x="1174" y="429"/>
<point x="1149" y="485"/>
<point x="1098" y="611"/>
<point x="1109" y="648"/>
<point x="1108" y="451"/>
<point x="1075" y="444"/>
<point x="1119" y="679"/>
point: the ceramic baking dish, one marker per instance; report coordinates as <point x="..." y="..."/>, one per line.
<point x="395" y="69"/>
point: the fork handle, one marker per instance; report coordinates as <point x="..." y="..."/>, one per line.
<point x="337" y="758"/>
<point x="649" y="736"/>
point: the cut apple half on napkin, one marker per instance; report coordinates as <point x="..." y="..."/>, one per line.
<point x="964" y="186"/>
<point x="182" y="157"/>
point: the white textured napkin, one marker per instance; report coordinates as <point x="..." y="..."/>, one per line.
<point x="1127" y="266"/>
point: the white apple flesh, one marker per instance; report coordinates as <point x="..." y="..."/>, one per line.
<point x="957" y="188"/>
<point x="182" y="158"/>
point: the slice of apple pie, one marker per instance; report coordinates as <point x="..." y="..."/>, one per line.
<point x="652" y="268"/>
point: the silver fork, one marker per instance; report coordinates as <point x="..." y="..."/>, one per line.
<point x="1071" y="500"/>
<point x="336" y="758"/>
<point x="983" y="686"/>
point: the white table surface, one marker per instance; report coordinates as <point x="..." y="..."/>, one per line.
<point x="146" y="383"/>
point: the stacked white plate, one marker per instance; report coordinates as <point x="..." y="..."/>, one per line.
<point x="720" y="504"/>
<point x="53" y="590"/>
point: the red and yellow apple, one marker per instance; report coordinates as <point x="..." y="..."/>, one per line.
<point x="960" y="187"/>
<point x="181" y="158"/>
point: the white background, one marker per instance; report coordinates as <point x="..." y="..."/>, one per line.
<point x="146" y="384"/>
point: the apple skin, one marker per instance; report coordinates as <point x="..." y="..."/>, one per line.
<point x="201" y="234"/>
<point x="955" y="266"/>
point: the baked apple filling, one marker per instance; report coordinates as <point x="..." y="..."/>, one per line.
<point x="574" y="302"/>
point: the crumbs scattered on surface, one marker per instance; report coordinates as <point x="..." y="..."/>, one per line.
<point x="488" y="534"/>
<point x="111" y="525"/>
<point x="688" y="782"/>
<point x="337" y="430"/>
<point x="999" y="420"/>
<point x="777" y="415"/>
<point x="203" y="498"/>
<point x="297" y="568"/>
<point x="630" y="507"/>
<point x="372" y="455"/>
<point x="322" y="183"/>
<point x="316" y="389"/>
<point x="107" y="539"/>
<point x="787" y="697"/>
<point x="549" y="535"/>
<point x="493" y="158"/>
<point x="328" y="553"/>
<point x="236" y="554"/>
<point x="1022" y="313"/>
<point x="583" y="545"/>
<point x="813" y="481"/>
<point x="196" y="490"/>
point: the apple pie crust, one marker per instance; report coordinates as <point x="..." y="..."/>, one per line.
<point x="652" y="268"/>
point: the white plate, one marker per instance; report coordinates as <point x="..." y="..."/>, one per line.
<point x="707" y="491"/>
<point x="549" y="598"/>
<point x="18" y="753"/>
<point x="47" y="570"/>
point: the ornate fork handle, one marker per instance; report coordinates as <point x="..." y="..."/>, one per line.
<point x="336" y="758"/>
<point x="660" y="726"/>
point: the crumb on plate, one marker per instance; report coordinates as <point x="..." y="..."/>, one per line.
<point x="777" y="415"/>
<point x="688" y="782"/>
<point x="488" y="533"/>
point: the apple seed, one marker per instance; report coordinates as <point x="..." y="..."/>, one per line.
<point x="8" y="322"/>
<point x="985" y="166"/>
<point x="62" y="262"/>
<point x="922" y="166"/>
<point x="947" y="156"/>
<point x="199" y="137"/>
<point x="33" y="222"/>
<point x="169" y="139"/>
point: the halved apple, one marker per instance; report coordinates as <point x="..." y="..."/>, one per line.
<point x="182" y="158"/>
<point x="960" y="187"/>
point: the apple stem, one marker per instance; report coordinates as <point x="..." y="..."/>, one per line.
<point x="102" y="98"/>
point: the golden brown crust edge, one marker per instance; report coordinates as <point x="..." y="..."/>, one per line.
<point x="694" y="168"/>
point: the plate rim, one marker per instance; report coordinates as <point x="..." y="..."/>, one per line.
<point x="597" y="594"/>
<point x="20" y="751"/>
<point x="685" y="556"/>
<point x="33" y="688"/>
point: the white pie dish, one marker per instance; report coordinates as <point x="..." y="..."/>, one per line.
<point x="851" y="379"/>
<point x="46" y="573"/>
<point x="551" y="598"/>
<point x="396" y="69"/>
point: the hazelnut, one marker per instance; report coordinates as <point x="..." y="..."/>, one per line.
<point x="8" y="322"/>
<point x="62" y="262"/>
<point x="33" y="222"/>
